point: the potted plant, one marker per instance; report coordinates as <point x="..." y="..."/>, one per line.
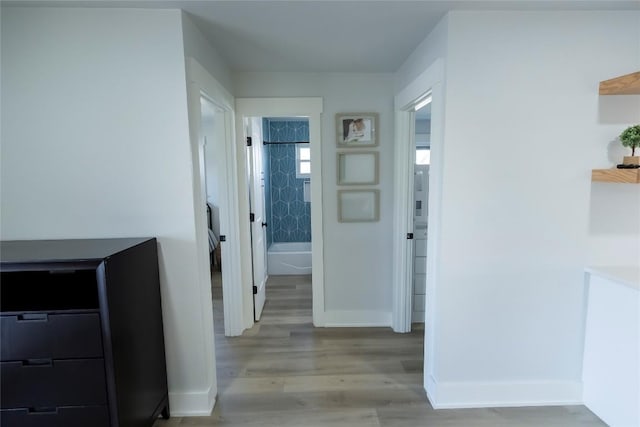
<point x="630" y="137"/>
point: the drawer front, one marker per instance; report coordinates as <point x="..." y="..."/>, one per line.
<point x="53" y="336"/>
<point x="49" y="384"/>
<point x="88" y="416"/>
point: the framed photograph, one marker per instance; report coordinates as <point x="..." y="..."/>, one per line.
<point x="358" y="205"/>
<point x="357" y="129"/>
<point x="358" y="168"/>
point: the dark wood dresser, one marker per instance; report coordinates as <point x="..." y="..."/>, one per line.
<point x="82" y="343"/>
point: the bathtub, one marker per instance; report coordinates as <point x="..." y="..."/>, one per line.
<point x="289" y="258"/>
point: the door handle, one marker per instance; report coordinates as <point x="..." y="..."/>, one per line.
<point x="264" y="224"/>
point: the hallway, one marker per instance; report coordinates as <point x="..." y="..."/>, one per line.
<point x="284" y="372"/>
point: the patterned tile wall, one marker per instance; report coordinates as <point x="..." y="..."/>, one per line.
<point x="287" y="130"/>
<point x="289" y="216"/>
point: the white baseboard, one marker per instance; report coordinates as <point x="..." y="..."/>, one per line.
<point x="450" y="395"/>
<point x="355" y="318"/>
<point x="430" y="387"/>
<point x="192" y="404"/>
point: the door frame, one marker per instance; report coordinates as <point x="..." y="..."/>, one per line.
<point x="431" y="81"/>
<point x="202" y="84"/>
<point x="283" y="107"/>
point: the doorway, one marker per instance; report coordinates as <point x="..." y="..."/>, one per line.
<point x="213" y="171"/>
<point x="420" y="209"/>
<point x="254" y="119"/>
<point x="279" y="176"/>
<point x="428" y="85"/>
<point x="211" y="121"/>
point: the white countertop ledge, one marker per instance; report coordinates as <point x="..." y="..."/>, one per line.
<point x="627" y="275"/>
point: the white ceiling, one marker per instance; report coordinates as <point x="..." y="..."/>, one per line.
<point x="327" y="35"/>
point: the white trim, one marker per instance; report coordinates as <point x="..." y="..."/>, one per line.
<point x="430" y="386"/>
<point x="504" y="394"/>
<point x="190" y="404"/>
<point x="317" y="227"/>
<point x="434" y="225"/>
<point x="405" y="102"/>
<point x="286" y="107"/>
<point x="196" y="73"/>
<point x="356" y="318"/>
<point x="201" y="83"/>
<point x="417" y="89"/>
<point x="205" y="309"/>
<point x="431" y="80"/>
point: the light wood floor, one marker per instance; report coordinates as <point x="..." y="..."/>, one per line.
<point x="284" y="372"/>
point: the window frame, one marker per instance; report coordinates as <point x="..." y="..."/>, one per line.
<point x="299" y="162"/>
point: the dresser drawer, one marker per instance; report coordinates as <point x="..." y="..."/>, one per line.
<point x="50" y="336"/>
<point x="48" y="384"/>
<point x="87" y="416"/>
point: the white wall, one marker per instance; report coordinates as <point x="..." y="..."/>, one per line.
<point x="614" y="224"/>
<point x="95" y="143"/>
<point x="357" y="256"/>
<point x="522" y="134"/>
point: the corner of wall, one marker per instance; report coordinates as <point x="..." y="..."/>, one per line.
<point x="192" y="404"/>
<point x="197" y="46"/>
<point x="434" y="46"/>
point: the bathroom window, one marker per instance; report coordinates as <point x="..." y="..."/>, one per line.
<point x="423" y="156"/>
<point x="303" y="161"/>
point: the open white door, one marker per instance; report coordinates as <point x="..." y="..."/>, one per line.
<point x="257" y="216"/>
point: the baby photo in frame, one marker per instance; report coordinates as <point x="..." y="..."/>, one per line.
<point x="357" y="129"/>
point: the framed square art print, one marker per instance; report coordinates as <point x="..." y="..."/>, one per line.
<point x="358" y="205"/>
<point x="357" y="129"/>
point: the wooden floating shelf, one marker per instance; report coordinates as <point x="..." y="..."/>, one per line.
<point x="628" y="176"/>
<point x="624" y="85"/>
